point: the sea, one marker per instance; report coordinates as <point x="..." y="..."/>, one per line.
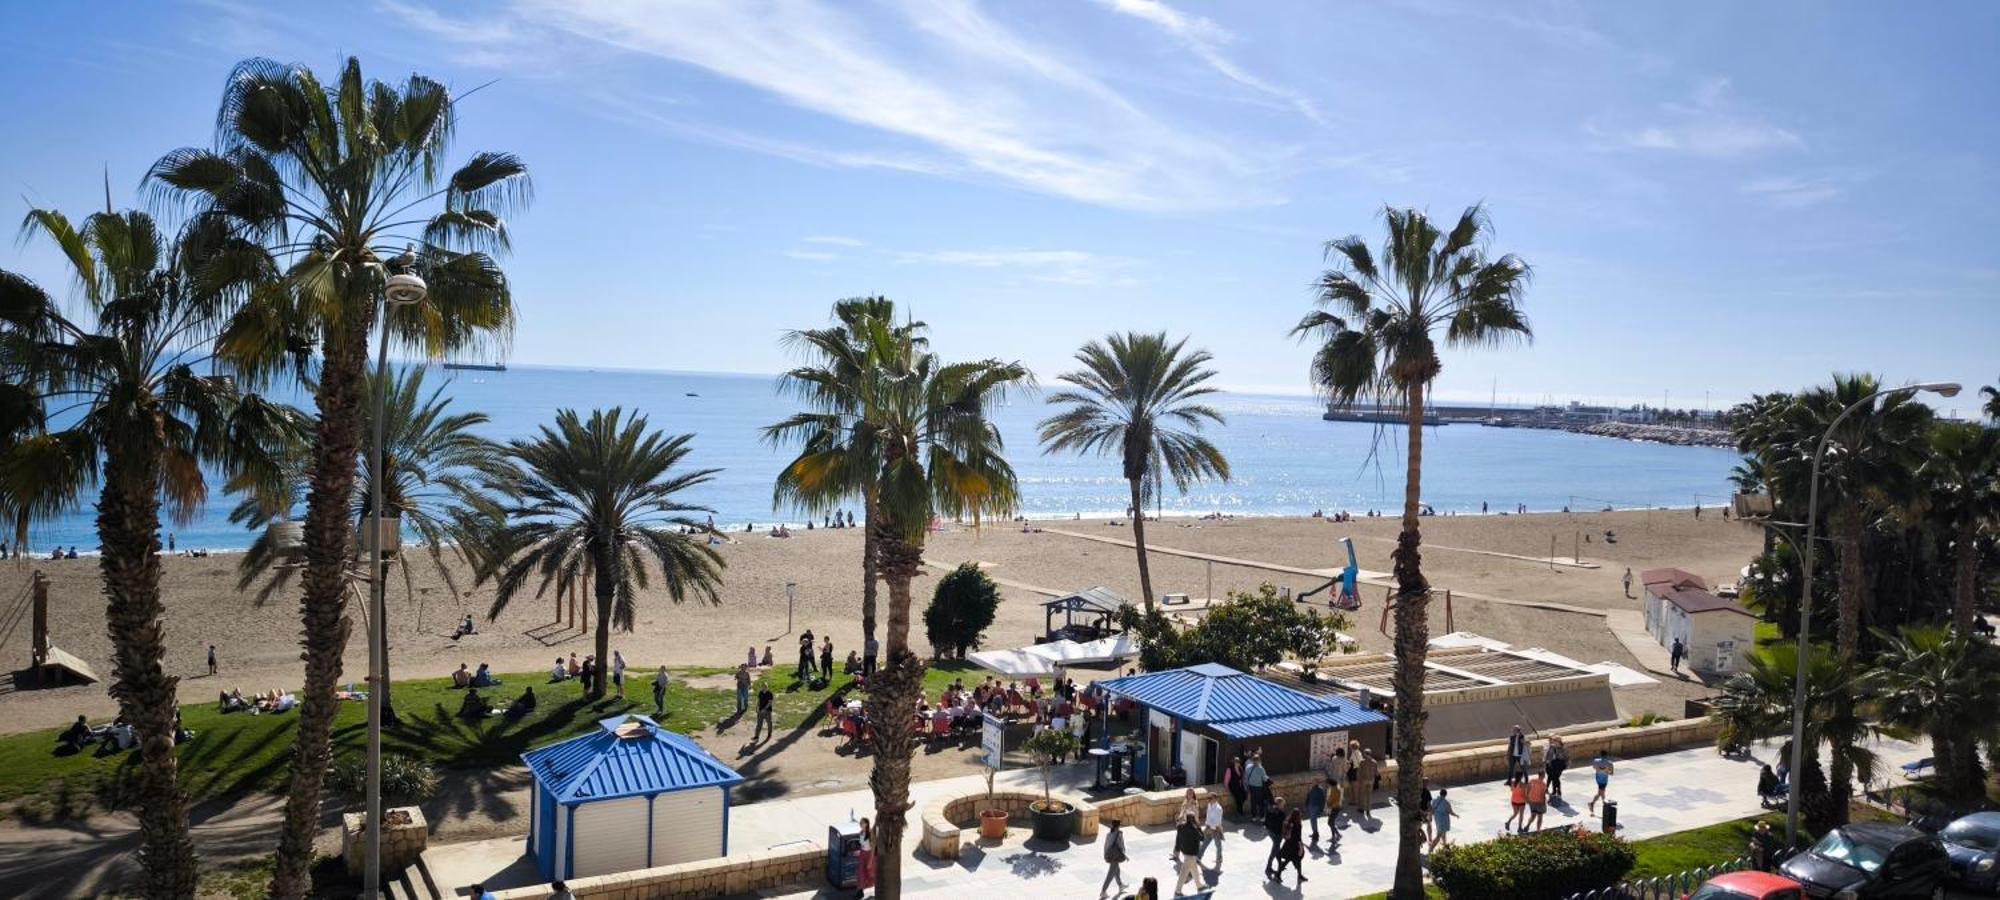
<point x="1284" y="459"/>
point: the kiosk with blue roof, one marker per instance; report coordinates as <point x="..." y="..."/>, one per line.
<point x="631" y="795"/>
<point x="1200" y="716"/>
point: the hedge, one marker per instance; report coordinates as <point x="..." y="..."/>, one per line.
<point x="1546" y="865"/>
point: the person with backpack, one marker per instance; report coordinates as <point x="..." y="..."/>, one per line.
<point x="1114" y="856"/>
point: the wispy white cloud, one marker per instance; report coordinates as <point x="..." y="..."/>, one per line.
<point x="818" y="256"/>
<point x="1077" y="268"/>
<point x="1792" y="191"/>
<point x="1204" y="38"/>
<point x="834" y="240"/>
<point x="955" y="92"/>
<point x="1709" y="124"/>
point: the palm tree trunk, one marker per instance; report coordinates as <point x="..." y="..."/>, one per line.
<point x="606" y="585"/>
<point x="1412" y="645"/>
<point x="892" y="695"/>
<point x="328" y="540"/>
<point x="128" y="523"/>
<point x="1965" y="587"/>
<point x="1850" y="526"/>
<point x="1139" y="542"/>
<point x="870" y="551"/>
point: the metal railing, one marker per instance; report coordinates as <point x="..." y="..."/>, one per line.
<point x="1675" y="886"/>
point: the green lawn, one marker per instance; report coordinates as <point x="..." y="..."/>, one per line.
<point x="238" y="753"/>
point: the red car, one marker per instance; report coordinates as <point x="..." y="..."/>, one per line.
<point x="1749" y="886"/>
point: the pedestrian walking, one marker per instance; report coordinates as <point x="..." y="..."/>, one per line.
<point x="1517" y="757"/>
<point x="211" y="659"/>
<point x="766" y="712"/>
<point x="742" y="689"/>
<point x="1293" y="851"/>
<point x="1600" y="765"/>
<point x="1232" y="778"/>
<point x="826" y="659"/>
<point x="1628" y="583"/>
<point x="805" y="671"/>
<point x="1352" y="796"/>
<point x="1538" y="802"/>
<point x="864" y="866"/>
<point x="1441" y="816"/>
<point x="1114" y="856"/>
<point x="1190" y="806"/>
<point x="1333" y="810"/>
<point x="1259" y="784"/>
<point x="1370" y="773"/>
<point x="659" y="690"/>
<point x="1315" y="806"/>
<point x="1211" y="829"/>
<point x="1274" y="831"/>
<point x="1517" y="798"/>
<point x="1187" y="842"/>
<point x="1554" y="760"/>
<point x="618" y="672"/>
<point x="1424" y="809"/>
<point x="1675" y="654"/>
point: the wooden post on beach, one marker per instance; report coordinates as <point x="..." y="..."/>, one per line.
<point x="1552" y="553"/>
<point x="39" y="637"/>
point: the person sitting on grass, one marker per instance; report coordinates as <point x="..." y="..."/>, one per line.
<point x="461" y="678"/>
<point x="474" y="706"/>
<point x="232" y="700"/>
<point x="559" y="673"/>
<point x="522" y="705"/>
<point x="78" y="734"/>
<point x="484" y="677"/>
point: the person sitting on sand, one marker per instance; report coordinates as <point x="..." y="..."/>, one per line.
<point x="464" y="628"/>
<point x="484" y="677"/>
<point x="766" y="662"/>
<point x="461" y="678"/>
<point x="750" y="657"/>
<point x="559" y="673"/>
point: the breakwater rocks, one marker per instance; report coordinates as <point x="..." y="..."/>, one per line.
<point x="1677" y="435"/>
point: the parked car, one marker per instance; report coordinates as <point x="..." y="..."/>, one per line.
<point x="1749" y="886"/>
<point x="1973" y="842"/>
<point x="1872" y="860"/>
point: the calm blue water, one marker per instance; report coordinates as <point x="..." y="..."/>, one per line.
<point x="1286" y="460"/>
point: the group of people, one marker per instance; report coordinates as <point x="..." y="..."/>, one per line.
<point x="271" y="701"/>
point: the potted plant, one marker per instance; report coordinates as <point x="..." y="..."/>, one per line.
<point x="992" y="819"/>
<point x="1054" y="820"/>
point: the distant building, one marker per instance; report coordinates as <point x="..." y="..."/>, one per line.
<point x="1718" y="633"/>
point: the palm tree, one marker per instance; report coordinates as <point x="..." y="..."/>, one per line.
<point x="937" y="453"/>
<point x="124" y="382"/>
<point x="834" y="463"/>
<point x="1376" y="336"/>
<point x="1138" y="395"/>
<point x="1992" y="395"/>
<point x="1943" y="685"/>
<point x="1757" y="704"/>
<point x="437" y="472"/>
<point x="600" y="498"/>
<point x="334" y="180"/>
<point x="1962" y="498"/>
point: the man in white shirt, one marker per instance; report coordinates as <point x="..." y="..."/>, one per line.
<point x="1211" y="829"/>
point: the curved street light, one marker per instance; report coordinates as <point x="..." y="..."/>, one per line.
<point x="1940" y="388"/>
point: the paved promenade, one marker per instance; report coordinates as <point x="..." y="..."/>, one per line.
<point x="1656" y="795"/>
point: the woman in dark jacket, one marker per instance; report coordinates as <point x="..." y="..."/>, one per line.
<point x="1291" y="851"/>
<point x="1233" y="778"/>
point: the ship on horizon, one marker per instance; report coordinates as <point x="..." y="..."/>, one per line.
<point x="476" y="367"/>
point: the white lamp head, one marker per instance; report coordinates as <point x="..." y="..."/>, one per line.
<point x="405" y="288"/>
<point x="1940" y="388"/>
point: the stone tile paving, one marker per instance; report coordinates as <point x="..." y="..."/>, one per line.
<point x="1656" y="795"/>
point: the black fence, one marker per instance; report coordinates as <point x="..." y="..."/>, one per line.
<point x="1672" y="887"/>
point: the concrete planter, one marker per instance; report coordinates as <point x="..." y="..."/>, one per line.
<point x="404" y="836"/>
<point x="1053" y="821"/>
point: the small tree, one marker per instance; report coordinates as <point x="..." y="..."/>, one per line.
<point x="1247" y="632"/>
<point x="1047" y="746"/>
<point x="961" y="609"/>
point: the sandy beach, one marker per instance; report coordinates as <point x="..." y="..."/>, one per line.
<point x="258" y="644"/>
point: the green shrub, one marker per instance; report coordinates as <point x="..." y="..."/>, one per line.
<point x="963" y="606"/>
<point x="1644" y="719"/>
<point x="1546" y="865"/>
<point x="404" y="779"/>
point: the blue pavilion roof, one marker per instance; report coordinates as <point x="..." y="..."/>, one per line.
<point x="603" y="764"/>
<point x="1238" y="704"/>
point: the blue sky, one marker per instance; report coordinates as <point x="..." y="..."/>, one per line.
<point x="1717" y="198"/>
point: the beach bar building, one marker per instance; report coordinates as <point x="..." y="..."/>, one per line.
<point x="1201" y="716"/>
<point x="1717" y="632"/>
<point x="1098" y="609"/>
<point x="631" y="795"/>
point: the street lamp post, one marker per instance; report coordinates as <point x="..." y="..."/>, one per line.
<point x="400" y="289"/>
<point x="1942" y="389"/>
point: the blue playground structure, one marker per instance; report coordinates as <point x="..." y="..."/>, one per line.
<point x="1349" y="597"/>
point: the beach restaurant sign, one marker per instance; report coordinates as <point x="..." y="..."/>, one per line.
<point x="993" y="739"/>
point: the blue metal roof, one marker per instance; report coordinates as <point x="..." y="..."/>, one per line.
<point x="1238" y="704"/>
<point x="602" y="765"/>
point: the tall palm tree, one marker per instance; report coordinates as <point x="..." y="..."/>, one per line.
<point x="1377" y="333"/>
<point x="1992" y="395"/>
<point x="1943" y="685"/>
<point x="601" y="496"/>
<point x="1757" y="704"/>
<point x="438" y="470"/>
<point x="938" y="454"/>
<point x="1138" y="395"/>
<point x="125" y="381"/>
<point x="833" y="465"/>
<point x="336" y="180"/>
<point x="1962" y="498"/>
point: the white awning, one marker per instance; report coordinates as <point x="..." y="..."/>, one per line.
<point x="1013" y="662"/>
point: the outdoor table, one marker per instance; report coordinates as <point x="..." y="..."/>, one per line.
<point x="1098" y="755"/>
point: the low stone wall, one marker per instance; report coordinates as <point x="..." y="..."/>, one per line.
<point x="735" y="874"/>
<point x="403" y="839"/>
<point x="1154" y="808"/>
<point x="942" y="833"/>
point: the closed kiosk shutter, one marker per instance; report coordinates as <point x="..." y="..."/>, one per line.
<point x="687" y="826"/>
<point x="610" y="837"/>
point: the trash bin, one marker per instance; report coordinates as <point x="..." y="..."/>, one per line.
<point x="843" y="854"/>
<point x="1610" y="817"/>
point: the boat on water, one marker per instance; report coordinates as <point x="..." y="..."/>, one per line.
<point x="476" y="367"/>
<point x="690" y="394"/>
<point x="1493" y="419"/>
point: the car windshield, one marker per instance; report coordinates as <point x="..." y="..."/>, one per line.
<point x="1977" y="835"/>
<point x="1837" y="846"/>
<point x="1714" y="892"/>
